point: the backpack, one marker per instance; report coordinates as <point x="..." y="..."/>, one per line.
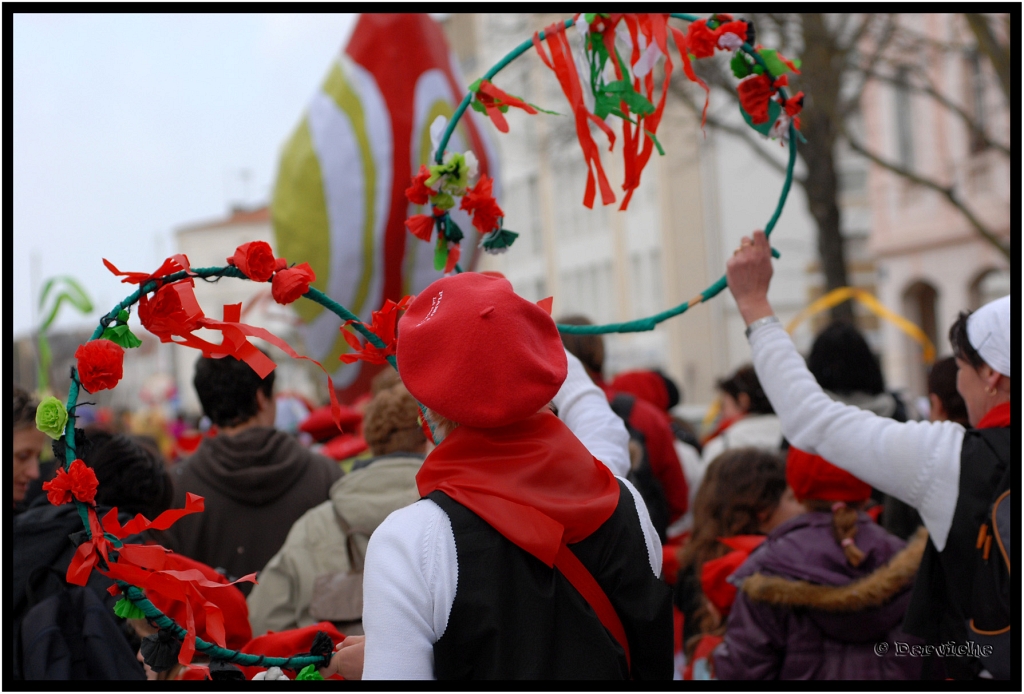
<point x="73" y="635"/>
<point x="338" y="597"/>
<point x="640" y="474"/>
<point x="992" y="602"/>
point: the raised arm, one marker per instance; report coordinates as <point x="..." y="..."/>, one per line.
<point x="916" y="462"/>
<point x="585" y="410"/>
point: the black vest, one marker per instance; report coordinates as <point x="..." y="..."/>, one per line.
<point x="515" y="618"/>
<point x="941" y="604"/>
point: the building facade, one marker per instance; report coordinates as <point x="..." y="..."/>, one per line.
<point x="932" y="263"/>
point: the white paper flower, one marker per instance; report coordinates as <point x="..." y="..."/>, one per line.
<point x="472" y="164"/>
<point x="729" y="41"/>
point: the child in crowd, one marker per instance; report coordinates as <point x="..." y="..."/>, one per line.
<point x="823" y="590"/>
<point x="743" y="494"/>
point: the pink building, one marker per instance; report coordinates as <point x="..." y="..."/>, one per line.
<point x="931" y="261"/>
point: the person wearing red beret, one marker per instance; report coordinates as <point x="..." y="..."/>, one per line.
<point x="822" y="590"/>
<point x="959" y="479"/>
<point x="527" y="558"/>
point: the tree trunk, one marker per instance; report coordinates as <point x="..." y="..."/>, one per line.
<point x="820" y="78"/>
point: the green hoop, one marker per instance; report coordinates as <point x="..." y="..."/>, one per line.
<point x="641" y="324"/>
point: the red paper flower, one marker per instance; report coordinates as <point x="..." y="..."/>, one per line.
<point x="291" y="283"/>
<point x="755" y="91"/>
<point x="453" y="257"/>
<point x="418" y="193"/>
<point x="700" y="40"/>
<point x="383" y="325"/>
<point x="77" y="482"/>
<point x="480" y="202"/>
<point x="172" y="310"/>
<point x="421" y="226"/>
<point x="255" y="259"/>
<point x="100" y="364"/>
<point x="795" y="104"/>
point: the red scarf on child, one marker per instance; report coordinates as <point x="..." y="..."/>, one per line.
<point x="532" y="481"/>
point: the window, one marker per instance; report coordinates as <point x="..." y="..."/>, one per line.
<point x="904" y="120"/>
<point x="976" y="100"/>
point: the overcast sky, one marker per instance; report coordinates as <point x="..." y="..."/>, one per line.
<point x="129" y="126"/>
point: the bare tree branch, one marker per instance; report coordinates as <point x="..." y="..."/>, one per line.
<point x="930" y="90"/>
<point x="998" y="54"/>
<point x="847" y="106"/>
<point x="947" y="192"/>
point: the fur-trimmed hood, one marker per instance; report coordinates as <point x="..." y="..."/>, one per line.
<point x="801" y="566"/>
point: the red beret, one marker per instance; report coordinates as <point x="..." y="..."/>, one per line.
<point x="647" y="385"/>
<point x="475" y="352"/>
<point x="813" y="477"/>
<point x="229" y="599"/>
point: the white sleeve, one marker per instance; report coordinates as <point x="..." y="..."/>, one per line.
<point x="916" y="462"/>
<point x="585" y="410"/>
<point x="651" y="538"/>
<point x="409" y="581"/>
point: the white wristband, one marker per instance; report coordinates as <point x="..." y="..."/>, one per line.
<point x="758" y="323"/>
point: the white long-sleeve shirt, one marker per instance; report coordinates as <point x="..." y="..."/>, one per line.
<point x="411" y="570"/>
<point x="916" y="462"/>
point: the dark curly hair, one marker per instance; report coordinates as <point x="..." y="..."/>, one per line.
<point x="24" y="409"/>
<point x="745" y="381"/>
<point x="842" y="362"/>
<point x="227" y="389"/>
<point x="131" y="476"/>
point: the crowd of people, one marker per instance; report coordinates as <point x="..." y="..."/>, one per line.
<point x="518" y="516"/>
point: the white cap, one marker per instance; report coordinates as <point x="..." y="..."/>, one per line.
<point x="988" y="330"/>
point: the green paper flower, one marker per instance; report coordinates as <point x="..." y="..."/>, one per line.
<point x="310" y="672"/>
<point x="442" y="201"/>
<point x="51" y="417"/>
<point x="498" y="241"/>
<point x="452" y="176"/>
<point x="126" y="609"/>
<point x="121" y="335"/>
<point x="740" y="66"/>
<point x="776" y="67"/>
<point x="452" y="231"/>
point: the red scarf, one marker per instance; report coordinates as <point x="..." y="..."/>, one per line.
<point x="998" y="416"/>
<point x="532" y="481"/>
<point x="537" y="485"/>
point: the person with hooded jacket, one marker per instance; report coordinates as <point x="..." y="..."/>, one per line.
<point x="304" y="582"/>
<point x="256" y="480"/>
<point x="959" y="479"/>
<point x="823" y="590"/>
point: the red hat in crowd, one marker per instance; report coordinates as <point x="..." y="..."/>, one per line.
<point x="228" y="598"/>
<point x="285" y="644"/>
<point x="475" y="352"/>
<point x="647" y="385"/>
<point x="714" y="573"/>
<point x="813" y="477"/>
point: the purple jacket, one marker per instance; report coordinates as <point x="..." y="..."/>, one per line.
<point x="803" y="613"/>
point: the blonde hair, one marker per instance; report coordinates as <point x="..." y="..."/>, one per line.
<point x="391" y="422"/>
